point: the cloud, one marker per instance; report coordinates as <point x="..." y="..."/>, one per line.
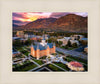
<point x="25" y="17"/>
<point x="58" y="14"/>
<point x="84" y="14"/>
<point x="17" y="22"/>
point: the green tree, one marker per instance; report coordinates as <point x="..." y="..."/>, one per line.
<point x="28" y="42"/>
<point x="69" y="44"/>
<point x="60" y="43"/>
<point x="74" y="45"/>
<point x="17" y="43"/>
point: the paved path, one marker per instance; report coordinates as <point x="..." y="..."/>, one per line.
<point x="34" y="62"/>
<point x="44" y="68"/>
<point x="72" y="52"/>
<point x="38" y="67"/>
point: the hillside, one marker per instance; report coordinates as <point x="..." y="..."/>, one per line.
<point x="70" y="23"/>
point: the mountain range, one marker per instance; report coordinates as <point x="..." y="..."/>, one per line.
<point x="69" y="23"/>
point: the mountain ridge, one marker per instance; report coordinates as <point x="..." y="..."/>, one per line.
<point x="70" y="23"/>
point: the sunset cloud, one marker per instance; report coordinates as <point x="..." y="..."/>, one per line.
<point x="24" y="17"/>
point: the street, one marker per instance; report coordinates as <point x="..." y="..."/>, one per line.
<point x="72" y="52"/>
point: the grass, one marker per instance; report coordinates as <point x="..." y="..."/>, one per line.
<point x="68" y="60"/>
<point x="25" y="67"/>
<point x="38" y="61"/>
<point x="63" y="66"/>
<point x="77" y="59"/>
<point x="44" y="57"/>
<point x="68" y="48"/>
<point x="53" y="68"/>
<point x="60" y="53"/>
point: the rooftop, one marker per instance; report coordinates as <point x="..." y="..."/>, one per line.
<point x="41" y="47"/>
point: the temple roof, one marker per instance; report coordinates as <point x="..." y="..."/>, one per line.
<point x="43" y="47"/>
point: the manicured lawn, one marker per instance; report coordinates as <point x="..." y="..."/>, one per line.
<point x="67" y="59"/>
<point x="44" y="57"/>
<point x="24" y="52"/>
<point x="19" y="48"/>
<point x="60" y="53"/>
<point x="38" y="61"/>
<point x="53" y="68"/>
<point x="77" y="59"/>
<point x="63" y="66"/>
<point x="25" y="67"/>
<point x="69" y="48"/>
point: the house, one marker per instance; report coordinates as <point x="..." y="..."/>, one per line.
<point x="46" y="36"/>
<point x="64" y="40"/>
<point x="42" y="49"/>
<point x="15" y="53"/>
<point x="74" y="41"/>
<point x="86" y="49"/>
<point x="83" y="39"/>
<point x="76" y="37"/>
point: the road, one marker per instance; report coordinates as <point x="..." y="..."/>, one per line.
<point x="72" y="52"/>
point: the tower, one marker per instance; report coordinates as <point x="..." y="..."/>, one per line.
<point x="32" y="50"/>
<point x="54" y="48"/>
<point x="48" y="50"/>
<point x="38" y="52"/>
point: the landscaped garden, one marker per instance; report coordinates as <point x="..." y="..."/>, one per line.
<point x="24" y="67"/>
<point x="53" y="68"/>
<point x="38" y="61"/>
<point x="62" y="66"/>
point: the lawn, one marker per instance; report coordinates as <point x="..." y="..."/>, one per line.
<point x="67" y="59"/>
<point x="77" y="59"/>
<point x="44" y="57"/>
<point x="38" y="61"/>
<point x="25" y="52"/>
<point x="25" y="67"/>
<point x="53" y="68"/>
<point x="68" y="48"/>
<point x="63" y="66"/>
<point x="60" y="53"/>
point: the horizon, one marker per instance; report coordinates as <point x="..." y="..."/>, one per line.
<point x="23" y="18"/>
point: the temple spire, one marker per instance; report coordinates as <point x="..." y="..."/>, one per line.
<point x="37" y="46"/>
<point x="53" y="44"/>
<point x="32" y="45"/>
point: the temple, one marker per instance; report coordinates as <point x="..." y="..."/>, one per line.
<point x="42" y="49"/>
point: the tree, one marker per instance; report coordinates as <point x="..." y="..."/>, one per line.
<point x="74" y="45"/>
<point x="69" y="44"/>
<point x="28" y="42"/>
<point x="84" y="43"/>
<point x="60" y="43"/>
<point x="17" y="43"/>
<point x="66" y="46"/>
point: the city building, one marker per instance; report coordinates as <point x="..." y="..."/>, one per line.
<point x="29" y="35"/>
<point x="15" y="53"/>
<point x="86" y="49"/>
<point x="46" y="36"/>
<point x="64" y="40"/>
<point x="76" y="37"/>
<point x="20" y="34"/>
<point x="74" y="41"/>
<point x="75" y="66"/>
<point x="42" y="49"/>
<point x="84" y="39"/>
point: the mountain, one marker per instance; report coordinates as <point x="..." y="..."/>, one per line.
<point x="40" y="23"/>
<point x="69" y="23"/>
<point x="14" y="25"/>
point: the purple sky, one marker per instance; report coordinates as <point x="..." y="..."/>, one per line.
<point x="22" y="18"/>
